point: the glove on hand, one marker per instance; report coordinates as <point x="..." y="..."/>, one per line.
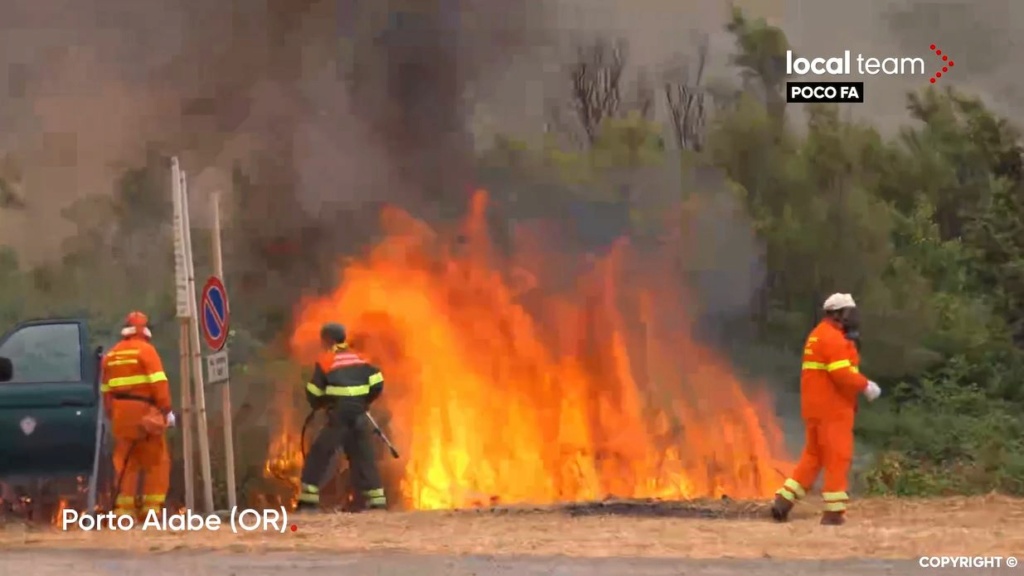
<point x="171" y="420"/>
<point x="872" y="392"/>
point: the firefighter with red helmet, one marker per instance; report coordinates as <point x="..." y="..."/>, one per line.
<point x="137" y="399"/>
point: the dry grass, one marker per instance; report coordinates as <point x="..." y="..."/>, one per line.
<point x="991" y="525"/>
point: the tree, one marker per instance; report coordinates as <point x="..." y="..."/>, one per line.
<point x="761" y="59"/>
<point x="685" y="96"/>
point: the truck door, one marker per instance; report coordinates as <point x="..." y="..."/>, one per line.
<point x="49" y="406"/>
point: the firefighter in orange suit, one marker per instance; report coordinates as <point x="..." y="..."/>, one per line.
<point x="138" y="403"/>
<point x="830" y="382"/>
<point x="343" y="384"/>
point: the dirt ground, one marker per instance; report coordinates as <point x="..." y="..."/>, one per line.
<point x="403" y="564"/>
<point x="621" y="538"/>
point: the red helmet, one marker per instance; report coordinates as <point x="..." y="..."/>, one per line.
<point x="136" y="324"/>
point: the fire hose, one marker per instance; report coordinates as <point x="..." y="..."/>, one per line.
<point x="376" y="430"/>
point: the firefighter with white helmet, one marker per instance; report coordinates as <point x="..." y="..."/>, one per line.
<point x="830" y="382"/>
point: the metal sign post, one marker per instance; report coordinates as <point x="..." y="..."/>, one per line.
<point x="197" y="361"/>
<point x="226" y="408"/>
<point x="216" y="319"/>
<point x="183" y="314"/>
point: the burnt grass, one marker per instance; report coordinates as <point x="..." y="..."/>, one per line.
<point x="704" y="509"/>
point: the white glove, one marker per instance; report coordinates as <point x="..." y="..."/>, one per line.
<point x="872" y="392"/>
<point x="171" y="420"/>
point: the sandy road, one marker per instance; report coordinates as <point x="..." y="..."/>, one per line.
<point x="883" y="537"/>
<point x="55" y="563"/>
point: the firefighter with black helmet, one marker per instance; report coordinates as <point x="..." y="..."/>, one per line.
<point x="343" y="385"/>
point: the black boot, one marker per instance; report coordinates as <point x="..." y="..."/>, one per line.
<point x="781" y="508"/>
<point x="833" y="518"/>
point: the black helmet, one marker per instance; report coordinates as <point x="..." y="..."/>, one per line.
<point x="333" y="333"/>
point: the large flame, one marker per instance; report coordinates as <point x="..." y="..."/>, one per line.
<point x="502" y="391"/>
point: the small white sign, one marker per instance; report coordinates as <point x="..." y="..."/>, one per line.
<point x="217" y="367"/>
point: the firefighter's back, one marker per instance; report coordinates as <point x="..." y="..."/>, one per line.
<point x="349" y="382"/>
<point x="129" y="385"/>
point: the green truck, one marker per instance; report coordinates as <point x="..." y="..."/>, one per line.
<point x="52" y="434"/>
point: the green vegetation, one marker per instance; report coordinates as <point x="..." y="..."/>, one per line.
<point x="925" y="227"/>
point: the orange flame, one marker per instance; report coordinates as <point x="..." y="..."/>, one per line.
<point x="285" y="461"/>
<point x="58" y="514"/>
<point x="523" y="396"/>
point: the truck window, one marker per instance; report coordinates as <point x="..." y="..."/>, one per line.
<point x="44" y="353"/>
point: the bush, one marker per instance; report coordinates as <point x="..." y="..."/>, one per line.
<point x="945" y="433"/>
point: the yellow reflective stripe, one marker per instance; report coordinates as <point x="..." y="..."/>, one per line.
<point x="834" y="496"/>
<point x="125" y="353"/>
<point x="377" y="492"/>
<point x="348" y="390"/>
<point x="309" y="498"/>
<point x="835" y="506"/>
<point x="128" y="362"/>
<point x="854" y="369"/>
<point x="127" y="381"/>
<point x="378" y="501"/>
<point x="830" y="367"/>
<point x="310" y="489"/>
<point x="314" y="389"/>
<point x="786" y="494"/>
<point x="376" y="379"/>
<point x="159" y="498"/>
<point x="795" y="487"/>
<point x="136" y="380"/>
<point x="125" y="500"/>
<point x="838" y="365"/>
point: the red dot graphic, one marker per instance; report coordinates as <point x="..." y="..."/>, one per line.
<point x="294" y="528"/>
<point x="947" y="63"/>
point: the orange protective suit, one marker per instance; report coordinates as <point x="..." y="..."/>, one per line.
<point x="138" y="399"/>
<point x="830" y="382"/>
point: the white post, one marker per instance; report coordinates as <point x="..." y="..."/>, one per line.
<point x="197" y="360"/>
<point x="225" y="390"/>
<point x="183" y="313"/>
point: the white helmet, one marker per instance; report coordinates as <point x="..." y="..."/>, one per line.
<point x="838" y="302"/>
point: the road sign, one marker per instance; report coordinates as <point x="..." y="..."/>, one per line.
<point x="214" y="312"/>
<point x="217" y="367"/>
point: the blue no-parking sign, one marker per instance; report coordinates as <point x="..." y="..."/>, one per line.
<point x="214" y="313"/>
